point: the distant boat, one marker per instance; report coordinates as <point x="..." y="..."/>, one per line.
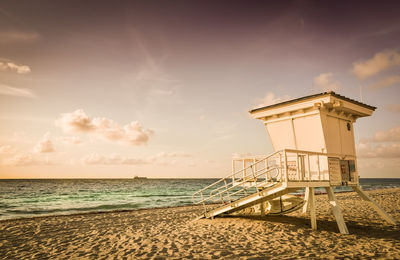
<point x="139" y="177"/>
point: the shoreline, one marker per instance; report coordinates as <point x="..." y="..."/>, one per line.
<point x="153" y="208"/>
<point x="172" y="233"/>
<point x="97" y="212"/>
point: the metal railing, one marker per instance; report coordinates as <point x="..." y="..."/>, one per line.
<point x="240" y="183"/>
<point x="283" y="166"/>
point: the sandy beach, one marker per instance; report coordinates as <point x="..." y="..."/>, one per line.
<point x="171" y="233"/>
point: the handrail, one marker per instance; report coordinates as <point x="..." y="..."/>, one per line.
<point x="229" y="176"/>
<point x="237" y="184"/>
<point x="240" y="181"/>
<point x="317" y="153"/>
<point x="227" y="189"/>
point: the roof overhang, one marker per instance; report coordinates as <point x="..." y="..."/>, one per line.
<point x="325" y="100"/>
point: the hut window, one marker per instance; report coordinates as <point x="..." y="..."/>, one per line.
<point x="348" y="126"/>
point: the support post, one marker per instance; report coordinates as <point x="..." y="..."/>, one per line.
<point x="312" y="209"/>
<point x="262" y="209"/>
<point x="374" y="205"/>
<point x="336" y="211"/>
<point x="306" y="200"/>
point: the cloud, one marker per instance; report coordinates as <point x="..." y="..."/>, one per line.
<point x="151" y="76"/>
<point x="96" y="159"/>
<point x="152" y="85"/>
<point x="11" y="66"/>
<point x="75" y="122"/>
<point x="45" y="145"/>
<point x="242" y="155"/>
<point x="380" y="62"/>
<point x="78" y="122"/>
<point x="325" y="82"/>
<point x="389" y="81"/>
<point x="18" y="36"/>
<point x="395" y="108"/>
<point x="27" y="159"/>
<point x="16" y="92"/>
<point x="368" y="163"/>
<point x="224" y="137"/>
<point x="270" y="99"/>
<point x="391" y="135"/>
<point x="70" y="139"/>
<point x="162" y="158"/>
<point x="150" y="81"/>
<point x="384" y="144"/>
<point x="173" y="154"/>
<point x="6" y="149"/>
<point x="370" y="150"/>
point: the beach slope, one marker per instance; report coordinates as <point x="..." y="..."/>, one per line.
<point x="171" y="233"/>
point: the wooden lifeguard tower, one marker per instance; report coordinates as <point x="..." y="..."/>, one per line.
<point x="313" y="140"/>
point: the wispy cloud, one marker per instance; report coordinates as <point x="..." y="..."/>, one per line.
<point x="242" y="155"/>
<point x="369" y="150"/>
<point x="17" y="92"/>
<point x="7" y="149"/>
<point x="96" y="159"/>
<point x="326" y="82"/>
<point x="393" y="134"/>
<point x="70" y="139"/>
<point x="153" y="85"/>
<point x="173" y="154"/>
<point x="18" y="36"/>
<point x="368" y="163"/>
<point x="78" y="122"/>
<point x="224" y="137"/>
<point x="162" y="158"/>
<point x="45" y="145"/>
<point x="380" y="62"/>
<point x="27" y="159"/>
<point x="386" y="82"/>
<point x="11" y="66"/>
<point x="149" y="79"/>
<point x="384" y="144"/>
<point x="270" y="98"/>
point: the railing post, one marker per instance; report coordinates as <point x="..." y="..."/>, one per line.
<point x="297" y="166"/>
<point x="233" y="170"/>
<point x="285" y="166"/>
<point x="254" y="179"/>
<point x="226" y="189"/>
<point x="254" y="163"/>
<point x="244" y="186"/>
<point x="202" y="201"/>
<point x="222" y="198"/>
<point x="319" y="170"/>
<point x="244" y="168"/>
<point x="309" y="167"/>
<point x="281" y="166"/>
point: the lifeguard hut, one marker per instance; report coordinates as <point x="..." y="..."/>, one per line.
<point x="313" y="140"/>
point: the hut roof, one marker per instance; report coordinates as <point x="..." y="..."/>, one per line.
<point x="323" y="94"/>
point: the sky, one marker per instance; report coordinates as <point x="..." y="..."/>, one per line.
<point x="114" y="89"/>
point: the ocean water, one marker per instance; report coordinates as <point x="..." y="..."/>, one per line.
<point x="29" y="198"/>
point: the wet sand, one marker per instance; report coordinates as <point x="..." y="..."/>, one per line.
<point x="171" y="233"/>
